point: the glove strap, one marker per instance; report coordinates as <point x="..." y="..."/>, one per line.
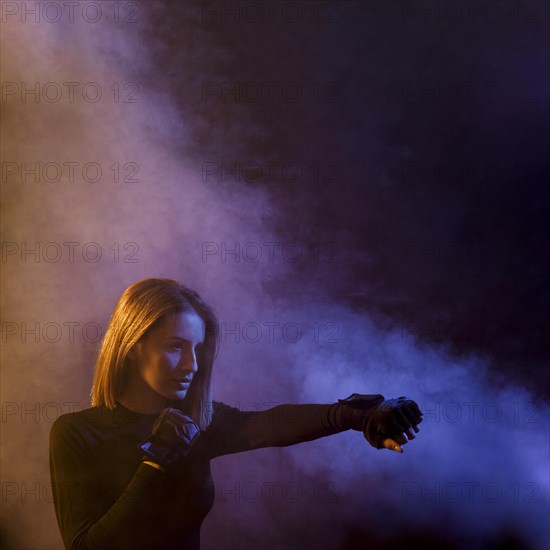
<point x="363" y="401"/>
<point x="351" y="412"/>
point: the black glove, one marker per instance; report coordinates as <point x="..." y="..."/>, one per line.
<point x="173" y="435"/>
<point x="379" y="418"/>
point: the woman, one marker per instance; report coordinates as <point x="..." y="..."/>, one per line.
<point x="133" y="471"/>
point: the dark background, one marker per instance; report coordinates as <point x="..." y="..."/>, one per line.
<point x="432" y="139"/>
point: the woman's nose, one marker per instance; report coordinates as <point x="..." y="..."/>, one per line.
<point x="189" y="362"/>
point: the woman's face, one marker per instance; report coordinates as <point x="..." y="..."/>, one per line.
<point x="166" y="357"/>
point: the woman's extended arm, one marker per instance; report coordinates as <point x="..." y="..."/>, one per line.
<point x="236" y="431"/>
<point x="383" y="423"/>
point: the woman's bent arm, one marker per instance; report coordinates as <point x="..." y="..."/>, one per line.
<point x="78" y="496"/>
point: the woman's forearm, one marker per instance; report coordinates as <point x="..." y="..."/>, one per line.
<point x="114" y="529"/>
<point x="278" y="426"/>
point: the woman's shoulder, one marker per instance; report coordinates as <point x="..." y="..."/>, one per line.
<point x="218" y="405"/>
<point x="219" y="408"/>
<point x="222" y="413"/>
<point x="76" y="422"/>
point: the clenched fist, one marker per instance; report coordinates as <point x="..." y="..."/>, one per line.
<point x="172" y="437"/>
<point x="385" y="423"/>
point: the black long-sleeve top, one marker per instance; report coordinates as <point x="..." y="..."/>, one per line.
<point x="106" y="499"/>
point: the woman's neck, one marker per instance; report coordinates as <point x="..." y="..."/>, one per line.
<point x="138" y="397"/>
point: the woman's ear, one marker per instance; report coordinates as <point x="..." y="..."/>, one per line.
<point x="132" y="354"/>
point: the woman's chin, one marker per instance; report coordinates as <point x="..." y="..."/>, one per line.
<point x="180" y="394"/>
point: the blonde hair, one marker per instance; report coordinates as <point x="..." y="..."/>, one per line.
<point x="138" y="309"/>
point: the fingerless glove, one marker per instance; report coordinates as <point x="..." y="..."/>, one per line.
<point x="376" y="417"/>
<point x="172" y="437"/>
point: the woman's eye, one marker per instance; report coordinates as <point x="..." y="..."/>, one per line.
<point x="179" y="347"/>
